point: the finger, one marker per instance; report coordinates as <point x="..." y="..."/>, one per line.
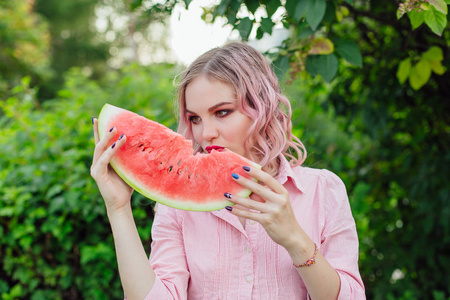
<point x="105" y="158"/>
<point x="103" y="143"/>
<point x="247" y="214"/>
<point x="265" y="178"/>
<point x="255" y="187"/>
<point x="247" y="202"/>
<point x="95" y="125"/>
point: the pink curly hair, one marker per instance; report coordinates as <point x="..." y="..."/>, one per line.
<point x="259" y="96"/>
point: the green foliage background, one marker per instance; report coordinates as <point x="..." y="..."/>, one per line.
<point x="55" y="239"/>
<point x="387" y="140"/>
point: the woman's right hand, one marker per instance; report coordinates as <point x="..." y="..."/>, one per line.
<point x="115" y="192"/>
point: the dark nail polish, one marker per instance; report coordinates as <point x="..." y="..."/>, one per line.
<point x="92" y="120"/>
<point x="111" y="129"/>
<point x="228" y="195"/>
<point x="246" y="169"/>
<point x="121" y="137"/>
<point x="113" y="145"/>
<point x="235" y="176"/>
<point x="229" y="208"/>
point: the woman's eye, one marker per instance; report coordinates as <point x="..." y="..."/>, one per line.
<point x="223" y="113"/>
<point x="194" y="119"/>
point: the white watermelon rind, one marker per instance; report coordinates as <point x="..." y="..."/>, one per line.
<point x="107" y="113"/>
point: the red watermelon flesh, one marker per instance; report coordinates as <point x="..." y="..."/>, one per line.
<point x="160" y="164"/>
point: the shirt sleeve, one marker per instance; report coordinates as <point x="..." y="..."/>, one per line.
<point x="339" y="244"/>
<point x="167" y="257"/>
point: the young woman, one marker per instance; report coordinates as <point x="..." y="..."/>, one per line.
<point x="293" y="238"/>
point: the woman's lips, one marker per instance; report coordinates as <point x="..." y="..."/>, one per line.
<point x="213" y="147"/>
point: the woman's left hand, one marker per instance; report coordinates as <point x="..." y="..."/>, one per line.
<point x="274" y="211"/>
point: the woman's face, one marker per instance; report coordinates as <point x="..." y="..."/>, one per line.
<point x="212" y="111"/>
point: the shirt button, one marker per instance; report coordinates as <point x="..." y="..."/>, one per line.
<point x="252" y="222"/>
<point x="249" y="250"/>
<point x="248" y="279"/>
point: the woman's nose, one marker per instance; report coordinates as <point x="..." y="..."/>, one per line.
<point x="210" y="132"/>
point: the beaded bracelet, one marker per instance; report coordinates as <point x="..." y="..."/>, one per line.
<point x="310" y="261"/>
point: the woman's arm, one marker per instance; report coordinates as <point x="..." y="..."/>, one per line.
<point x="321" y="279"/>
<point x="135" y="272"/>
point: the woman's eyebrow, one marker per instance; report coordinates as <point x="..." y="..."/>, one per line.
<point x="212" y="108"/>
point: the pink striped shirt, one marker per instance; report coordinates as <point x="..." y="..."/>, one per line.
<point x="209" y="255"/>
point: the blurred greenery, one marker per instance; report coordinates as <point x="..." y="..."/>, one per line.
<point x="386" y="138"/>
<point x="53" y="227"/>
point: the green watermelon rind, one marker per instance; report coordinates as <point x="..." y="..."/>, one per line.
<point x="107" y="113"/>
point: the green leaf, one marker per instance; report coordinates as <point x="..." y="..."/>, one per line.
<point x="349" y="2"/>
<point x="323" y="65"/>
<point x="437" y="67"/>
<point x="330" y="12"/>
<point x="281" y="65"/>
<point x="245" y="27"/>
<point x="434" y="54"/>
<point x="420" y="74"/>
<point x="306" y="32"/>
<point x="321" y="46"/>
<point x="439" y="5"/>
<point x="259" y="33"/>
<point x="187" y="2"/>
<point x="349" y="51"/>
<point x="399" y="14"/>
<point x="404" y="70"/>
<point x="267" y="25"/>
<point x="435" y="20"/>
<point x="315" y="12"/>
<point x="26" y="81"/>
<point x="7" y="211"/>
<point x="297" y="9"/>
<point x="252" y="5"/>
<point x="416" y="18"/>
<point x="135" y="4"/>
<point x="342" y="12"/>
<point x="272" y="6"/>
<point x="221" y="8"/>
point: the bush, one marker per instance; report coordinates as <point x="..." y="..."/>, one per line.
<point x="56" y="241"/>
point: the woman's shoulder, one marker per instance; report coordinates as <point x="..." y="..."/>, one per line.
<point x="323" y="177"/>
<point x="309" y="171"/>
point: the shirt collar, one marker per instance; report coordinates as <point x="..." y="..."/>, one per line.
<point x="286" y="172"/>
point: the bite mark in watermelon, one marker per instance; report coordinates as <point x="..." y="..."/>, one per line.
<point x="160" y="164"/>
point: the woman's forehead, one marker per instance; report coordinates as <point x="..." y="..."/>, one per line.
<point x="203" y="93"/>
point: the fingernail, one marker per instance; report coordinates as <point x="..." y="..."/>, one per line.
<point x="228" y="195"/>
<point x="246" y="169"/>
<point x="111" y="129"/>
<point x="229" y="208"/>
<point x="113" y="145"/>
<point x="235" y="176"/>
<point x="120" y="137"/>
<point x="92" y="120"/>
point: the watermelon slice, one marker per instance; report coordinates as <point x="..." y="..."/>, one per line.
<point x="160" y="164"/>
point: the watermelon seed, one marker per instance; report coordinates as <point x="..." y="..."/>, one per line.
<point x="189" y="176"/>
<point x="179" y="162"/>
<point x="169" y="169"/>
<point x="179" y="171"/>
<point x="141" y="145"/>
